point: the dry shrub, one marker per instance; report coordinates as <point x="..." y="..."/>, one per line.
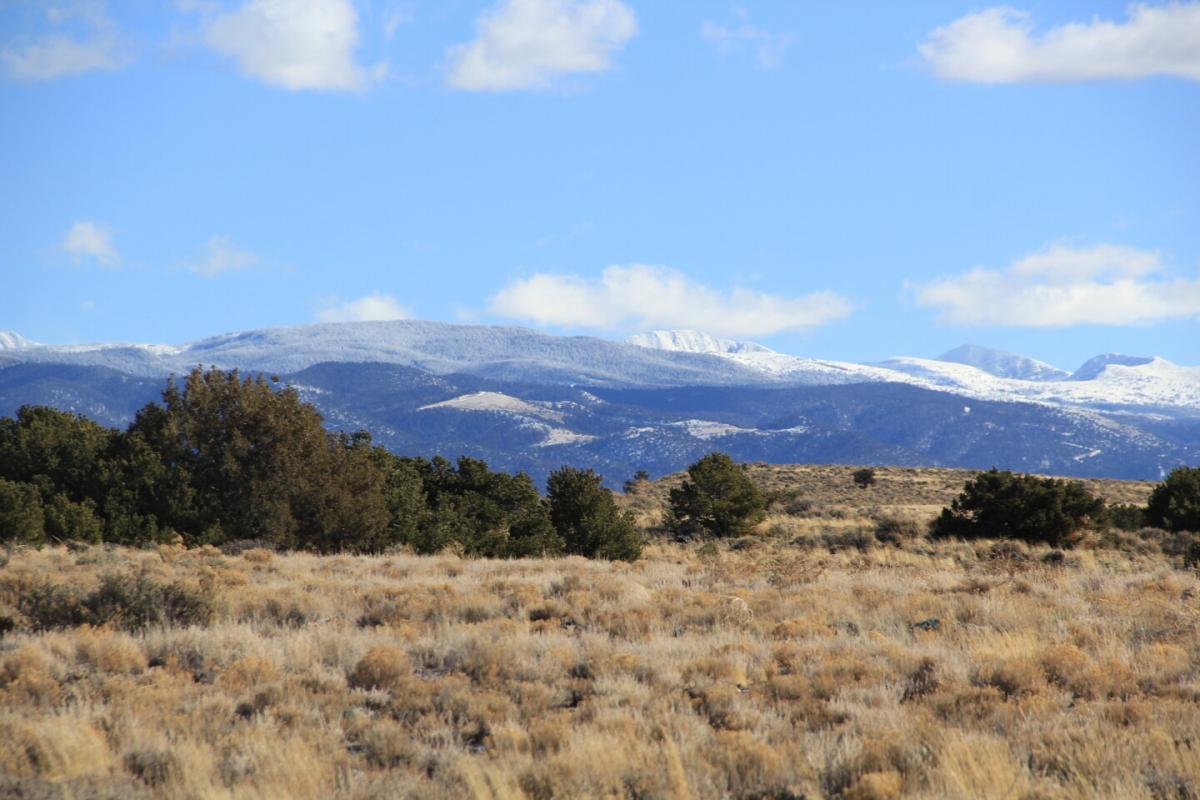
<point x="1068" y="667"/>
<point x="846" y="668"/>
<point x="897" y="530"/>
<point x="385" y="666"/>
<point x="923" y="680"/>
<point x="387" y="744"/>
<point x="752" y="768"/>
<point x="1115" y="678"/>
<point x="1014" y="676"/>
<point x="289" y="766"/>
<point x="55" y="748"/>
<point x="880" y="761"/>
<point x="876" y="786"/>
<point x="258" y="556"/>
<point x="110" y="652"/>
<point x="967" y="707"/>
<point x="1161" y="665"/>
<point x="248" y="673"/>
<point x="155" y="768"/>
<point x="489" y="781"/>
<point x="802" y="628"/>
<point x="719" y="706"/>
<point x="26" y="677"/>
<point x="979" y="766"/>
<point x="133" y="601"/>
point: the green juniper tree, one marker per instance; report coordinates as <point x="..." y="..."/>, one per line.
<point x="1175" y="503"/>
<point x="998" y="504"/>
<point x="717" y="498"/>
<point x="587" y="518"/>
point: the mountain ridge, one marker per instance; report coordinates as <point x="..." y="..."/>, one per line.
<point x="1003" y="364"/>
<point x="657" y="358"/>
<point x="526" y="400"/>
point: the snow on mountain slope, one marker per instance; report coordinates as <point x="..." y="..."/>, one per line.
<point x="1157" y="384"/>
<point x="693" y="342"/>
<point x="1093" y="367"/>
<point x="1003" y="364"/>
<point x="1115" y="381"/>
<point x="11" y="340"/>
<point x="758" y="358"/>
<point x="495" y="401"/>
<point x="532" y="415"/>
<point x="440" y="348"/>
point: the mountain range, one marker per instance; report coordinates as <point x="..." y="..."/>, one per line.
<point x="528" y="400"/>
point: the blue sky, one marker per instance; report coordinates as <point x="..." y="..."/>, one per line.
<point x="836" y="180"/>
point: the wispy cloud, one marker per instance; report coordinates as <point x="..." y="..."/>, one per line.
<point x="527" y="44"/>
<point x="93" y="44"/>
<point x="294" y="44"/>
<point x="768" y="47"/>
<point x="371" y="308"/>
<point x="998" y="45"/>
<point x="90" y="241"/>
<point x="222" y="255"/>
<point x="639" y="297"/>
<point x="398" y="17"/>
<point x="1102" y="285"/>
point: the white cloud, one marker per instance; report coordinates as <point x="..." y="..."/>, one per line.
<point x="295" y="44"/>
<point x="997" y="45"/>
<point x="372" y="308"/>
<point x="95" y="46"/>
<point x="222" y="255"/>
<point x="769" y="48"/>
<point x="642" y="297"/>
<point x="1103" y="285"/>
<point x="526" y="44"/>
<point x="90" y="240"/>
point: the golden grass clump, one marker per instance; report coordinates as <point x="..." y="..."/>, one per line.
<point x="384" y="666"/>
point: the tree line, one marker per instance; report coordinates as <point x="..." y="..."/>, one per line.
<point x="229" y="458"/>
<point x="226" y="457"/>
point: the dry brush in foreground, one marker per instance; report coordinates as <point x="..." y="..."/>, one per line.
<point x="751" y="669"/>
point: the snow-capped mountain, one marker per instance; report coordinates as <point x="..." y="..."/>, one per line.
<point x="1109" y="382"/>
<point x="658" y="359"/>
<point x="1003" y="364"/>
<point x="528" y="400"/>
<point x="1095" y="367"/>
<point x="440" y="348"/>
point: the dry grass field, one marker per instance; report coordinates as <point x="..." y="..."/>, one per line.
<point x="811" y="661"/>
<point x="828" y="490"/>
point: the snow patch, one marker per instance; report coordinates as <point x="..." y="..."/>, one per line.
<point x="557" y="436"/>
<point x="708" y="429"/>
<point x="495" y="401"/>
